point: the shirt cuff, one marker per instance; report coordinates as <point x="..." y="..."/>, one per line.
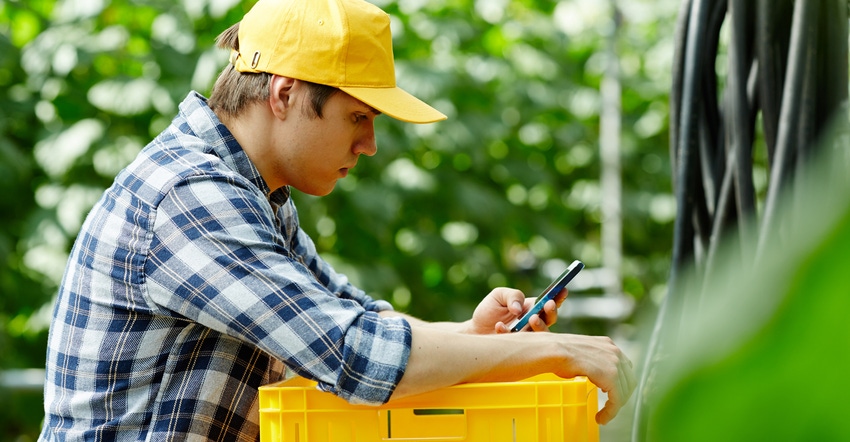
<point x="378" y="305"/>
<point x="374" y="359"/>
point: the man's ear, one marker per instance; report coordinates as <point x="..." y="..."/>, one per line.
<point x="281" y="98"/>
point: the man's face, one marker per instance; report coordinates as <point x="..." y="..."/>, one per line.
<point x="312" y="153"/>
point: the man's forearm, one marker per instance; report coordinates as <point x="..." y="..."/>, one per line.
<point x="441" y="358"/>
<point x="457" y="327"/>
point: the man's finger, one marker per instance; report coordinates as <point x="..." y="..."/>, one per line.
<point x="538" y="324"/>
<point x="561" y="297"/>
<point x="607" y="413"/>
<point x="550" y="313"/>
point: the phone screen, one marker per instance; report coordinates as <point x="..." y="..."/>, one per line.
<point x="557" y="285"/>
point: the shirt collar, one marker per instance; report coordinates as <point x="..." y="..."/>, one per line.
<point x="204" y="124"/>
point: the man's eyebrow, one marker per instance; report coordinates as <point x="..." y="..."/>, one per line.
<point x="369" y="109"/>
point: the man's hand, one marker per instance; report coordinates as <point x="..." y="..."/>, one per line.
<point x="503" y="305"/>
<point x="598" y="358"/>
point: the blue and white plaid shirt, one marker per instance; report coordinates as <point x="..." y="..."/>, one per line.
<point x="189" y="286"/>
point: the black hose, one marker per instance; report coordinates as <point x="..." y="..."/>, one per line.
<point x="684" y="105"/>
<point x="787" y="140"/>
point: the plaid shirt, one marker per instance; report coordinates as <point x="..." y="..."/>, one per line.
<point x="189" y="286"/>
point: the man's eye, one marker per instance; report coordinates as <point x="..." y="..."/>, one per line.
<point x="359" y="118"/>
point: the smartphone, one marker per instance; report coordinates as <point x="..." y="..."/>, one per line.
<point x="557" y="285"/>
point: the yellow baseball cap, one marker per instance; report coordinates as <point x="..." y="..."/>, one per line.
<point x="341" y="43"/>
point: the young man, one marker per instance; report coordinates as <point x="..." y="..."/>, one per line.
<point x="191" y="284"/>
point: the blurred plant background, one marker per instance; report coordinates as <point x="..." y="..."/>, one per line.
<point x="504" y="193"/>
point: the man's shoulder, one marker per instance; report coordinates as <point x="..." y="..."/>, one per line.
<point x="191" y="151"/>
<point x="169" y="159"/>
<point x="195" y="144"/>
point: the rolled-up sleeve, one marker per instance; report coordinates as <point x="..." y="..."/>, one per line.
<point x="219" y="257"/>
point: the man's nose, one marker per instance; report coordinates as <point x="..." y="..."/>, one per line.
<point x="367" y="145"/>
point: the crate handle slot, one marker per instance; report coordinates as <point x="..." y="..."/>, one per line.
<point x="434" y="424"/>
<point x="436" y="411"/>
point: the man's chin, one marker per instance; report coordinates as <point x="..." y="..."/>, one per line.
<point x="318" y="190"/>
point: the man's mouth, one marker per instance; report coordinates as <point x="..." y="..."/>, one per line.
<point x="344" y="171"/>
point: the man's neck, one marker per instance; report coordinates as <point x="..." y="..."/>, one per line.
<point x="251" y="129"/>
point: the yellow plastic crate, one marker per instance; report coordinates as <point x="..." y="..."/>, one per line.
<point x="544" y="408"/>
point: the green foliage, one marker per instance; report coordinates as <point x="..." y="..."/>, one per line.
<point x="502" y="194"/>
<point x="23" y="292"/>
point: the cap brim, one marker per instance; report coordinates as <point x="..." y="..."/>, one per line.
<point x="396" y="103"/>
